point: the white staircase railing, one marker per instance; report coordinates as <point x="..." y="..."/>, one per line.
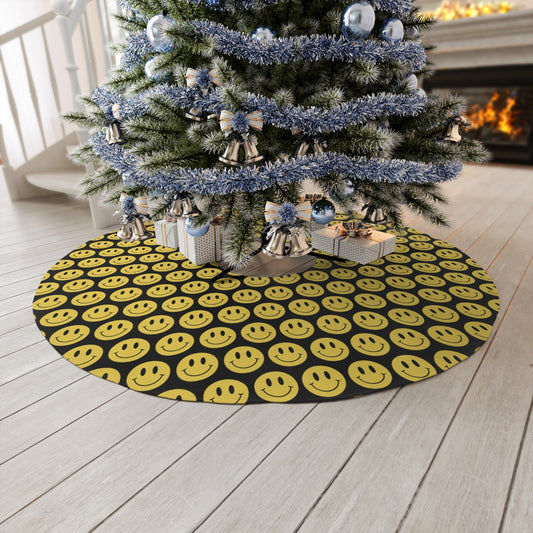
<point x="45" y="64"/>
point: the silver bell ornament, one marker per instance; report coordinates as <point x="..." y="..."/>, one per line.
<point x="189" y="209"/>
<point x="176" y="209"/>
<point x="113" y="134"/>
<point x="318" y="147"/>
<point x="277" y="241"/>
<point x="323" y="211"/>
<point x="298" y="245"/>
<point x="374" y="214"/>
<point x="125" y="232"/>
<point x="251" y="154"/>
<point x="196" y="229"/>
<point x="139" y="231"/>
<point x="452" y="133"/>
<point x="231" y="155"/>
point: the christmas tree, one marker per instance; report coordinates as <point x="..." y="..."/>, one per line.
<point x="230" y="104"/>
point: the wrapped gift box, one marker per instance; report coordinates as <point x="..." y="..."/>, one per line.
<point x="166" y="233"/>
<point x="362" y="250"/>
<point x="200" y="250"/>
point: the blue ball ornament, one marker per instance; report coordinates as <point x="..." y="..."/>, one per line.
<point x="323" y="211"/>
<point x="195" y="229"/>
<point x="358" y="20"/>
<point x="412" y="83"/>
<point x="392" y="30"/>
<point x="155" y="31"/>
<point x="263" y="34"/>
<point x="151" y="71"/>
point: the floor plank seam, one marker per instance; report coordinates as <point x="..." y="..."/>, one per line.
<point x="22" y="348"/>
<point x="63" y="427"/>
<point x="345" y="462"/>
<point x="27" y="372"/>
<point x="515" y="469"/>
<point x="166" y="468"/>
<point x="487" y="348"/>
<point x="92" y="460"/>
<point x="19" y="327"/>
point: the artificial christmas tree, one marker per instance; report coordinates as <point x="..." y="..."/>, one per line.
<point x="234" y="103"/>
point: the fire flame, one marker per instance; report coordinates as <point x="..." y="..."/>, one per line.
<point x="496" y="115"/>
<point x="452" y="9"/>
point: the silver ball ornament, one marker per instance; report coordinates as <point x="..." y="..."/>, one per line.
<point x="412" y="83"/>
<point x="194" y="229"/>
<point x="155" y="31"/>
<point x="263" y="34"/>
<point x="392" y="30"/>
<point x="358" y="20"/>
<point x="323" y="211"/>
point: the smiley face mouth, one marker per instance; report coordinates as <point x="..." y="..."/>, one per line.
<point x="127" y="356"/>
<point x="216" y="343"/>
<point x="372" y="382"/>
<point x="460" y="341"/>
<point x="411" y="345"/>
<point x="148" y="384"/>
<point x="336" y="330"/>
<point x="277" y="395"/>
<point x="176" y="350"/>
<point x="69" y="341"/>
<point x="286" y="360"/>
<point x="162" y="328"/>
<point x="294" y="334"/>
<point x="112" y="336"/>
<point x="198" y="325"/>
<point x="196" y="375"/>
<point x="428" y="371"/>
<point x="364" y="349"/>
<point x="377" y="325"/>
<point x="322" y="354"/>
<point x="245" y="367"/>
<point x="212" y="400"/>
<point x="100" y="317"/>
<point x="325" y="390"/>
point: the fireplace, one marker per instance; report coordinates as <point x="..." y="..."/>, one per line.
<point x="500" y="107"/>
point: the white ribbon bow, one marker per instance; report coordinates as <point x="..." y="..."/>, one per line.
<point x="254" y="119"/>
<point x="303" y="211"/>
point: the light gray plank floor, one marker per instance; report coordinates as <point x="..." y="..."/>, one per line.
<point x="450" y="454"/>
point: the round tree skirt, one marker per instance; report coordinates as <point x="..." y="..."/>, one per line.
<point x="143" y="316"/>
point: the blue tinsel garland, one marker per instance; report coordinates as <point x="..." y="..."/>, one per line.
<point x="215" y="181"/>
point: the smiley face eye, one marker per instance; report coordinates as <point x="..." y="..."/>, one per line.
<point x="361" y="370"/>
<point x="269" y="382"/>
<point x="315" y="376"/>
<point x="416" y="363"/>
<point x="327" y="375"/>
<point x="405" y="365"/>
<point x="143" y="371"/>
<point x="154" y="370"/>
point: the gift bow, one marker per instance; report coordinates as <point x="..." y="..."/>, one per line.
<point x="302" y="210"/>
<point x="192" y="76"/>
<point x="352" y="229"/>
<point x="140" y="203"/>
<point x="254" y="119"/>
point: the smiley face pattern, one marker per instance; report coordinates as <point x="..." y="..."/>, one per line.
<point x="143" y="316"/>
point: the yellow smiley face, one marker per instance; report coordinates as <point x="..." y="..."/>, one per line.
<point x="440" y="313"/>
<point x="422" y="246"/>
<point x="337" y="304"/>
<point x="413" y="368"/>
<point x="47" y="288"/>
<point x="489" y="288"/>
<point x="323" y="263"/>
<point x="155" y="324"/>
<point x="329" y="349"/>
<point x="178" y="394"/>
<point x="343" y="273"/>
<point x="226" y="284"/>
<point x="429" y="280"/>
<point x="449" y="254"/>
<point x="481" y="274"/>
<point x="304" y="307"/>
<point x="401" y="249"/>
<point x="177" y="304"/>
<point x="448" y="335"/>
<point x="140" y="308"/>
<point x="197" y="366"/>
<point x="91" y="262"/>
<point x="131" y="270"/>
<point x="195" y="319"/>
<point x="113" y="330"/>
<point x="208" y="273"/>
<point x="340" y="287"/>
<point x="315" y="276"/>
<point x="371" y="285"/>
<point x="453" y="265"/>
<point x="126" y="295"/>
<point x="217" y="337"/>
<point x="147" y="279"/>
<point x="100" y="312"/>
<point x="161" y="291"/>
<point x="370" y="320"/>
<point x="111" y="252"/>
<point x="310" y="290"/>
<point x="258" y="332"/>
<point x="228" y="391"/>
<point x="398" y="282"/>
<point x="148" y="376"/>
<point x="78" y="285"/>
<point x="419" y="238"/>
<point x="165" y="266"/>
<point x="151" y="258"/>
<point x="233" y="314"/>
<point x="445" y="359"/>
<point x="409" y="338"/>
<point x="58" y="318"/>
<point x="406" y="317"/>
<point x="80" y="254"/>
<point x="334" y="324"/>
<point x="287" y="354"/>
<point x="246" y="296"/>
<point x="276" y="387"/>
<point x="109" y="374"/>
<point x="323" y="381"/>
<point x="213" y="299"/>
<point x="427" y="268"/>
<point x="67" y="275"/>
<point x="494" y="304"/>
<point x="256" y="281"/>
<point x="442" y="244"/>
<point x="296" y="328"/>
<point x="473" y="310"/>
<point x="434" y="295"/>
<point x="174" y="344"/>
<point x="398" y="257"/>
<point x="402" y="298"/>
<point x="113" y="282"/>
<point x="287" y="279"/>
<point x="369" y="374"/>
<point x="101" y="272"/>
<point x="278" y="292"/>
<point x="370" y="271"/>
<point x="100" y="245"/>
<point x="423" y="257"/>
<point x="479" y="330"/>
<point x="399" y="270"/>
<point x="179" y="276"/>
<point x="50" y="302"/>
<point x="269" y="311"/>
<point x="69" y="335"/>
<point x="194" y="287"/>
<point x="370" y="344"/>
<point x="129" y="350"/>
<point x="457" y="277"/>
<point x="84" y="356"/>
<point x="243" y="359"/>
<point x="122" y="260"/>
<point x="140" y="250"/>
<point x="466" y="293"/>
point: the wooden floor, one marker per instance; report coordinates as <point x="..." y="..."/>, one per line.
<point x="450" y="454"/>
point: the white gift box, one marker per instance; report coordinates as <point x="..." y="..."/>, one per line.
<point x="362" y="250"/>
<point x="166" y="233"/>
<point x="200" y="250"/>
